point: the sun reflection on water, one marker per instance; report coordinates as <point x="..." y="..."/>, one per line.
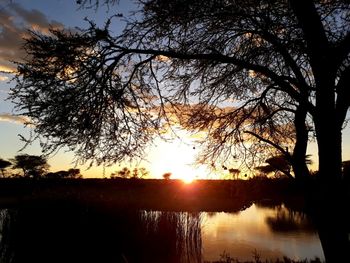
<point x="240" y="234"/>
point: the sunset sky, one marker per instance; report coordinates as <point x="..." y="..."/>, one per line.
<point x="16" y="17"/>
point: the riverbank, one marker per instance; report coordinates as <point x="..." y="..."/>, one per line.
<point x="152" y="194"/>
<point x="257" y="259"/>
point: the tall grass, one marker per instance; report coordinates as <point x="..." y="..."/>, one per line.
<point x="182" y="228"/>
<point x="256" y="258"/>
<point x="72" y="233"/>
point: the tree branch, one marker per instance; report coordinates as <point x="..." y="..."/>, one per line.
<point x="343" y="49"/>
<point x="283" y="151"/>
<point x="343" y="95"/>
<point x="279" y="80"/>
<point x="314" y="33"/>
<point x="288" y="59"/>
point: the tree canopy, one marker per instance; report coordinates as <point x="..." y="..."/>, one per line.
<point x="70" y="173"/>
<point x="31" y="165"/>
<point x="136" y="173"/>
<point x="259" y="77"/>
<point x="3" y="165"/>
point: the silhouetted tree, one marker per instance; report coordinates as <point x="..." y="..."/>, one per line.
<point x="284" y="64"/>
<point x="74" y="173"/>
<point x="234" y="172"/>
<point x="140" y="172"/>
<point x="166" y="176"/>
<point x="127" y="173"/>
<point x="71" y="173"/>
<point x="123" y="173"/>
<point x="280" y="163"/>
<point x="3" y="165"/>
<point x="265" y="169"/>
<point x="31" y="165"/>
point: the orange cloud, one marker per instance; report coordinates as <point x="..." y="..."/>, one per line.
<point x="14" y="23"/>
<point x="14" y="118"/>
<point x="162" y="58"/>
<point x="3" y="78"/>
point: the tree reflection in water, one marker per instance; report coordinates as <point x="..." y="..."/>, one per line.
<point x="59" y="232"/>
<point x="286" y="221"/>
<point x="69" y="233"/>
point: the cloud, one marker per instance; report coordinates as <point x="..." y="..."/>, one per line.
<point x="7" y="117"/>
<point x="3" y="78"/>
<point x="14" y="23"/>
<point x="162" y="58"/>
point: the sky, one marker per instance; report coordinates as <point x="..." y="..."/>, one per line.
<point x="16" y="17"/>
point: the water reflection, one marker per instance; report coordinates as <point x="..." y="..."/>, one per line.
<point x="75" y="233"/>
<point x="286" y="222"/>
<point x="259" y="228"/>
<point x="81" y="234"/>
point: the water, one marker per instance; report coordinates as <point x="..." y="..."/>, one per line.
<point x="75" y="233"/>
<point x="271" y="232"/>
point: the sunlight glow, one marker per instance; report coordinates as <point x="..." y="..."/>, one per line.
<point x="187" y="179"/>
<point x="176" y="158"/>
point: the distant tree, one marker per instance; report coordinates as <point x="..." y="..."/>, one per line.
<point x="166" y="176"/>
<point x="74" y="173"/>
<point x="123" y="173"/>
<point x="127" y="173"/>
<point x="55" y="175"/>
<point x="71" y="173"/>
<point x="280" y="163"/>
<point x="234" y="172"/>
<point x="139" y="172"/>
<point x="265" y="169"/>
<point x="31" y="165"/>
<point x="3" y="165"/>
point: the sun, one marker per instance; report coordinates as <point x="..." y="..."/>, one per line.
<point x="188" y="180"/>
<point x="185" y="173"/>
<point x="177" y="158"/>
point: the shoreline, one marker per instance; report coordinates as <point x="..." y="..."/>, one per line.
<point x="152" y="194"/>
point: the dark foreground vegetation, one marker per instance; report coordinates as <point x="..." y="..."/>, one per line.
<point x="168" y="195"/>
<point x="226" y="258"/>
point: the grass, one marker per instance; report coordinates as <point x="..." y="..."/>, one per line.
<point x="226" y="258"/>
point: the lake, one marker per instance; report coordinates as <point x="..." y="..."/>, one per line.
<point x="77" y="233"/>
<point x="273" y="232"/>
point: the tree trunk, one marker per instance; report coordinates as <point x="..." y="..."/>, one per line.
<point x="324" y="68"/>
<point x="330" y="201"/>
<point x="328" y="131"/>
<point x="329" y="210"/>
<point x="333" y="237"/>
<point x="329" y="153"/>
<point x="299" y="153"/>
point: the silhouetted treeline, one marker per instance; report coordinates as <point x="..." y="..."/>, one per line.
<point x="33" y="166"/>
<point x="200" y="195"/>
